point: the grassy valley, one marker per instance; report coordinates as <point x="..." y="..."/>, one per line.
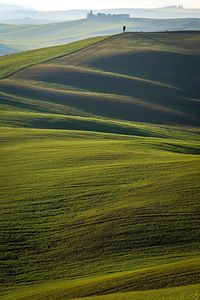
<point x="100" y="169"/>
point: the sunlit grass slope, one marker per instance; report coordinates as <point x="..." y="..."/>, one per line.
<point x="191" y="292"/>
<point x="116" y="286"/>
<point x="100" y="170"/>
<point x="77" y="204"/>
<point x="15" y="62"/>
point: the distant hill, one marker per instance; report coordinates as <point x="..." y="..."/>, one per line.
<point x="27" y="37"/>
<point x="17" y="14"/>
<point x="5" y="50"/>
<point x="9" y="7"/>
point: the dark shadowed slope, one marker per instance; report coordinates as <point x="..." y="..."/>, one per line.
<point x="106" y="104"/>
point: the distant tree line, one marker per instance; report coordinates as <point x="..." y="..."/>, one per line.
<point x="103" y="16"/>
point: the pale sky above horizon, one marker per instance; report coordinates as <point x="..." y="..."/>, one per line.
<point x="100" y="4"/>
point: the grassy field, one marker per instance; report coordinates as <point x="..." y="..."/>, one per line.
<point x="191" y="292"/>
<point x="56" y="210"/>
<point x="117" y="285"/>
<point x="100" y="171"/>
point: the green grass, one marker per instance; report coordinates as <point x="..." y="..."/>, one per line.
<point x="145" y="279"/>
<point x="100" y="170"/>
<point x="190" y="292"/>
<point x="30" y="119"/>
<point x="64" y="177"/>
<point x="15" y="62"/>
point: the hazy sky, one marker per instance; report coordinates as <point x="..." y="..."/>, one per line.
<point x="99" y="4"/>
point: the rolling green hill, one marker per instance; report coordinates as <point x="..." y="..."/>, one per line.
<point x="138" y="77"/>
<point x="100" y="169"/>
<point x="13" y="63"/>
